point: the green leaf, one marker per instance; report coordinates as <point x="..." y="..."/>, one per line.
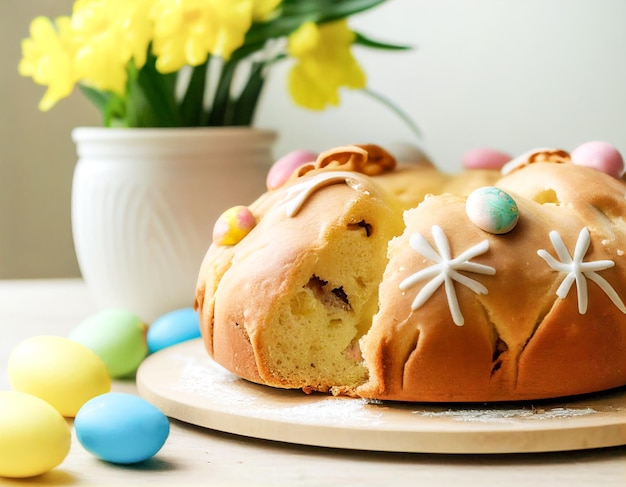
<point x="219" y="114"/>
<point x="97" y="97"/>
<point x="191" y="107"/>
<point x="151" y="97"/>
<point x="245" y="106"/>
<point x="327" y="10"/>
<point x="246" y="50"/>
<point x="116" y="112"/>
<point x="294" y="13"/>
<point x="369" y="42"/>
<point x="112" y="107"/>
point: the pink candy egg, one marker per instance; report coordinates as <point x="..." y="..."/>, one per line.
<point x="233" y="225"/>
<point x="484" y="158"/>
<point x="600" y="156"/>
<point x="285" y="166"/>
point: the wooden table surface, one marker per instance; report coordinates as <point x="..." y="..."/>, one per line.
<point x="197" y="456"/>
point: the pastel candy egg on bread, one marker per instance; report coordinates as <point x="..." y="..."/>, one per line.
<point x="601" y="156"/>
<point x="282" y="169"/>
<point x="484" y="158"/>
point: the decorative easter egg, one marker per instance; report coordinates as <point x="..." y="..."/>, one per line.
<point x="34" y="437"/>
<point x="484" y="158"/>
<point x="492" y="210"/>
<point x="286" y="165"/>
<point x="117" y="336"/>
<point x="600" y="156"/>
<point x="175" y="327"/>
<point x="60" y="371"/>
<point x="121" y="428"/>
<point x="233" y="225"/>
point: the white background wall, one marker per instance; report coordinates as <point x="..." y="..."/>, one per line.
<point x="508" y="74"/>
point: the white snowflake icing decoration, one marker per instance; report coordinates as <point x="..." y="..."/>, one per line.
<point x="446" y="271"/>
<point x="579" y="271"/>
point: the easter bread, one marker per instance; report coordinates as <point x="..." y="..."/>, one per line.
<point x="368" y="278"/>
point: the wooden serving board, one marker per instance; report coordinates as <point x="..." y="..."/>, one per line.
<point x="187" y="385"/>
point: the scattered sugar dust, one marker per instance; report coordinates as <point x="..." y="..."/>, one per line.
<point x="497" y="415"/>
<point x="227" y="391"/>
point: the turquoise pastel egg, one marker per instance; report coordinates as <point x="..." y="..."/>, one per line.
<point x="34" y="437"/>
<point x="121" y="428"/>
<point x="171" y="328"/>
<point x="117" y="336"/>
<point x="492" y="210"/>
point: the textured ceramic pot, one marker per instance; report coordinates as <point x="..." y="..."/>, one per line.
<point x="144" y="202"/>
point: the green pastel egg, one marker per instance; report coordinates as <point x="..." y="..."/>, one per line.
<point x="118" y="337"/>
<point x="492" y="210"/>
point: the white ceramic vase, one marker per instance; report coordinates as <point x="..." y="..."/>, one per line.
<point x="144" y="202"/>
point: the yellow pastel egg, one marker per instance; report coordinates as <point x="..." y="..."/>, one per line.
<point x="233" y="225"/>
<point x="60" y="371"/>
<point x="34" y="437"/>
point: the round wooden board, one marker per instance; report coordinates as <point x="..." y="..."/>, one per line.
<point x="187" y="385"/>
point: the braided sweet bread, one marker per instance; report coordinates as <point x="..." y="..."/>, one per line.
<point x="358" y="276"/>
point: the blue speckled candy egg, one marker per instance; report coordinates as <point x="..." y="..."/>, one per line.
<point x="121" y="428"/>
<point x="492" y="210"/>
<point x="172" y="328"/>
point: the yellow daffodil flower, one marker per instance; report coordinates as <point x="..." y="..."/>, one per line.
<point x="109" y="33"/>
<point x="127" y="55"/>
<point x="47" y="58"/>
<point x="187" y="31"/>
<point x="263" y="10"/>
<point x="324" y="64"/>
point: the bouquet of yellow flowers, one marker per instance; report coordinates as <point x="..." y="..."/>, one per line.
<point x="175" y="63"/>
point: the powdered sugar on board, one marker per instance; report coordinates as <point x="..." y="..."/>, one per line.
<point x="206" y="378"/>
<point x="187" y="385"/>
<point x="495" y="414"/>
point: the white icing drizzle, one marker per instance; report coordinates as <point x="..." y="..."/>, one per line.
<point x="446" y="271"/>
<point x="299" y="193"/>
<point x="579" y="271"/>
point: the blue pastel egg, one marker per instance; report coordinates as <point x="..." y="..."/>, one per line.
<point x="121" y="428"/>
<point x="492" y="210"/>
<point x="172" y="328"/>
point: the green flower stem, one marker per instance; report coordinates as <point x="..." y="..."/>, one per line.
<point x="396" y="109"/>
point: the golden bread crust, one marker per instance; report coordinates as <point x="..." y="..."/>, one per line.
<point x="518" y="340"/>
